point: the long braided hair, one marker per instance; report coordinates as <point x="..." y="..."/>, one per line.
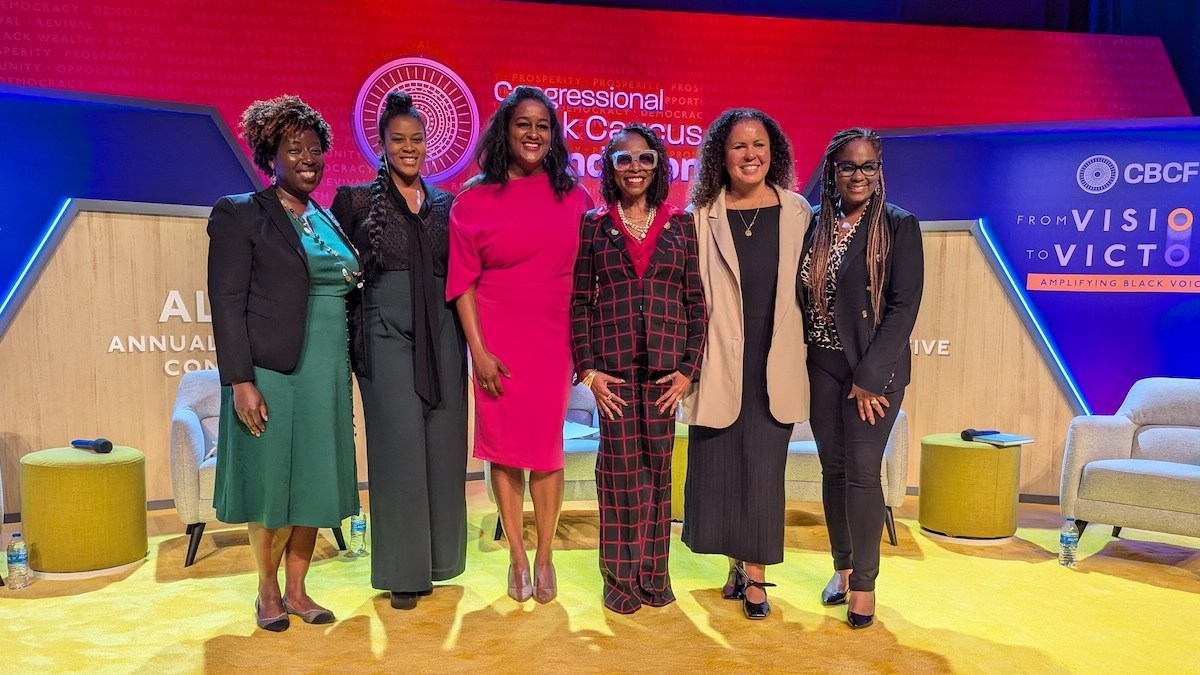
<point x="398" y="103"/>
<point x="879" y="237"/>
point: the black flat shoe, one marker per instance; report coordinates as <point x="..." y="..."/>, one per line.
<point x="404" y="600"/>
<point x="735" y="586"/>
<point x="857" y="621"/>
<point x="831" y="596"/>
<point x="757" y="610"/>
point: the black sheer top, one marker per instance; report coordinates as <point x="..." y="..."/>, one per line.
<point x="353" y="203"/>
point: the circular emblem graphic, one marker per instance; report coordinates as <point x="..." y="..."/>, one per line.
<point x="439" y="95"/>
<point x="1097" y="174"/>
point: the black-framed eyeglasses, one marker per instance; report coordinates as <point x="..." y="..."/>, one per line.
<point x="868" y="169"/>
<point x="623" y="160"/>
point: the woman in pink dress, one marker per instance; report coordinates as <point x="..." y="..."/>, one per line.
<point x="514" y="235"/>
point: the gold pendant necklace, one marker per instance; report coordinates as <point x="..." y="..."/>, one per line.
<point x="749" y="228"/>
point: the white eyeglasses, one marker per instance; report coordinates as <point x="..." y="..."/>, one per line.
<point x="623" y="160"/>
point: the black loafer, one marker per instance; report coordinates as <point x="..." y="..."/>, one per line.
<point x="404" y="600"/>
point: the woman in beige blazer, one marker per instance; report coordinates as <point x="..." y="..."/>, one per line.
<point x="753" y="385"/>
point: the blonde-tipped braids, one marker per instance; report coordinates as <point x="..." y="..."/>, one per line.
<point x="879" y="237"/>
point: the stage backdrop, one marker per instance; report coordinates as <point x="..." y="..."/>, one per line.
<point x="605" y="67"/>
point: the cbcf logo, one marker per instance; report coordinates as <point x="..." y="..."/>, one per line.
<point x="439" y="95"/>
<point x="1099" y="173"/>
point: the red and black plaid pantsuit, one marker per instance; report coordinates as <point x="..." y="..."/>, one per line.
<point x="637" y="329"/>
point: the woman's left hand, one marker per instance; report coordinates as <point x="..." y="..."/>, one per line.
<point x="870" y="405"/>
<point x="679" y="383"/>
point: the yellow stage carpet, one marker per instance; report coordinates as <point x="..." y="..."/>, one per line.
<point x="1131" y="606"/>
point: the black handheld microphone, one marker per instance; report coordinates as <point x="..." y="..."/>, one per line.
<point x="970" y="434"/>
<point x="100" y="445"/>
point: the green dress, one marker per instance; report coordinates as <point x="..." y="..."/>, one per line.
<point x="301" y="471"/>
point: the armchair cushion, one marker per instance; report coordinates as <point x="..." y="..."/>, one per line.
<point x="1167" y="486"/>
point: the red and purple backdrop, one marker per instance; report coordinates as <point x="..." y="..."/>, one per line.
<point x="605" y="66"/>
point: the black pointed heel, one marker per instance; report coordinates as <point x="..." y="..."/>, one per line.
<point x="830" y="595"/>
<point x="858" y="621"/>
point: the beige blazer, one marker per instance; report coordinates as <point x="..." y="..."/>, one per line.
<point x="716" y="399"/>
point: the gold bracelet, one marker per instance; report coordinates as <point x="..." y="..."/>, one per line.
<point x="587" y="381"/>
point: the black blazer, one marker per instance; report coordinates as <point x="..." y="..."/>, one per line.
<point x="879" y="356"/>
<point x="611" y="305"/>
<point x="257" y="285"/>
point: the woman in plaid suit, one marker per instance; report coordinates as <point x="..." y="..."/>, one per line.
<point x="638" y="323"/>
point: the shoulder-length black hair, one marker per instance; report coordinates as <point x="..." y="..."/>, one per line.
<point x="492" y="154"/>
<point x="659" y="185"/>
<point x="712" y="176"/>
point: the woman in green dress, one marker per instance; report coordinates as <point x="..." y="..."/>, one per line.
<point x="279" y="273"/>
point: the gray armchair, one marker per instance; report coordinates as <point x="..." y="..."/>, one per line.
<point x="1139" y="467"/>
<point x="194" y="425"/>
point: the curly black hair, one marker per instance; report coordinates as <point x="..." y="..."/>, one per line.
<point x="492" y="153"/>
<point x="397" y="104"/>
<point x="265" y="123"/>
<point x="712" y="176"/>
<point x="659" y="185"/>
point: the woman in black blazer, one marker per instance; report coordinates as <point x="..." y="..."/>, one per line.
<point x="279" y="272"/>
<point x="638" y="324"/>
<point x="860" y="285"/>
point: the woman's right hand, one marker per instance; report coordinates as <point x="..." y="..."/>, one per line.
<point x="488" y="372"/>
<point x="609" y="403"/>
<point x="250" y="407"/>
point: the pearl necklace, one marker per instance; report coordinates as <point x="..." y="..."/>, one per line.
<point x="639" y="232"/>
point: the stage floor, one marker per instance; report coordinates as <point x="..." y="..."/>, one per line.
<point x="942" y="608"/>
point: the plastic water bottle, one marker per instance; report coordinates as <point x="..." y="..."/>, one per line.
<point x="18" y="563"/>
<point x="358" y="535"/>
<point x="1068" y="541"/>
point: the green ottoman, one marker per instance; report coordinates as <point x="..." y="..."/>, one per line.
<point x="83" y="511"/>
<point x="968" y="489"/>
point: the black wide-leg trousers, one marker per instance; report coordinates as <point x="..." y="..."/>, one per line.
<point x="851" y="453"/>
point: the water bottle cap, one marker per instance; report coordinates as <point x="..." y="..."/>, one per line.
<point x="16" y="535"/>
<point x="1070" y="519"/>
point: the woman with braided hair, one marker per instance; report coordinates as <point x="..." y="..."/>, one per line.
<point x="860" y="285"/>
<point x="409" y="354"/>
